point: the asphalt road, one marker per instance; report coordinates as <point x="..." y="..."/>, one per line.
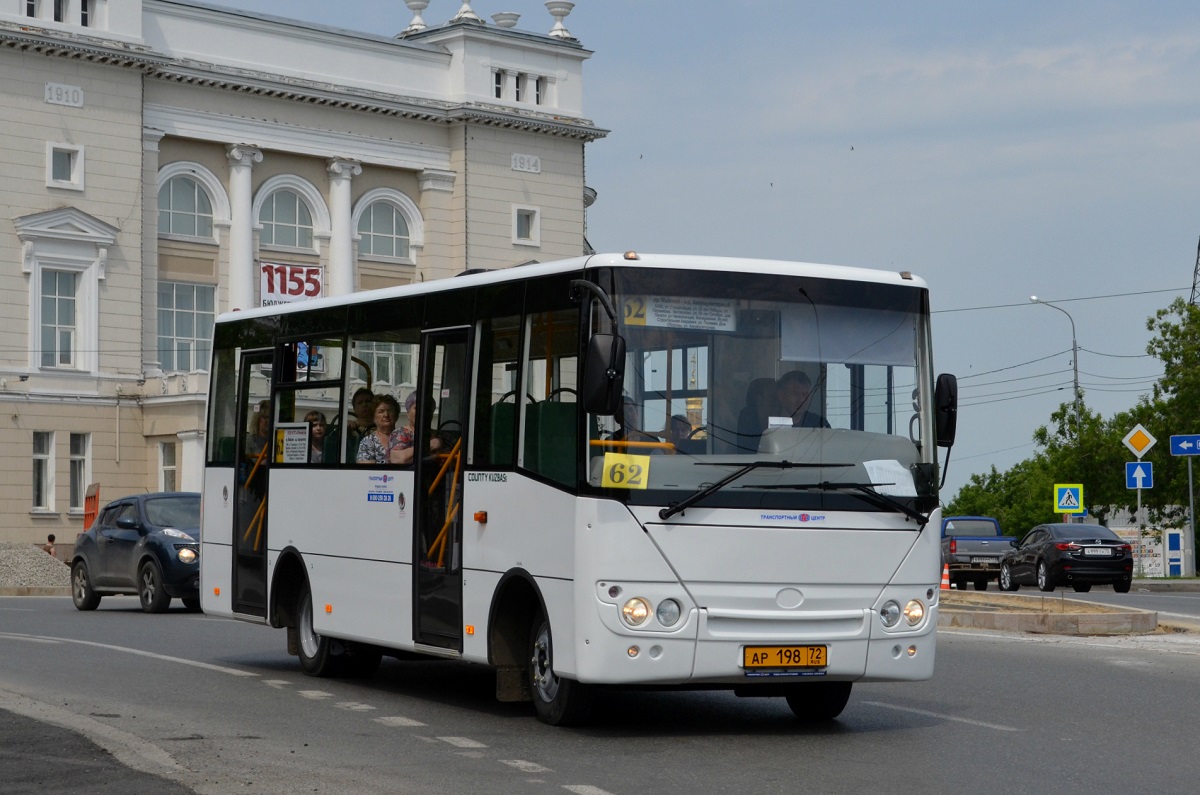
<point x="184" y="702"/>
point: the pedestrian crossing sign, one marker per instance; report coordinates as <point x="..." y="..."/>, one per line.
<point x="1068" y="498"/>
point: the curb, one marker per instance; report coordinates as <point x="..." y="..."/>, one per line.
<point x="1116" y="623"/>
<point x="35" y="590"/>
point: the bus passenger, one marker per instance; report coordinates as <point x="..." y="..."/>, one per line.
<point x="375" y="446"/>
<point x="316" y="449"/>
<point x="260" y="426"/>
<point x="681" y="430"/>
<point x="402" y="452"/>
<point x="755" y="416"/>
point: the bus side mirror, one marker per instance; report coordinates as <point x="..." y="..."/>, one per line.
<point x="604" y="374"/>
<point x="945" y="399"/>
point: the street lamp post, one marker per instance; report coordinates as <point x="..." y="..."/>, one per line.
<point x="1074" y="359"/>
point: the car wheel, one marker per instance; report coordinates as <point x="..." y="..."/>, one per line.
<point x="1006" y="580"/>
<point x="82" y="593"/>
<point x="317" y="653"/>
<point x="981" y="585"/>
<point x="1044" y="581"/>
<point x="1082" y="588"/>
<point x="192" y="603"/>
<point x="153" y="596"/>
<point x="559" y="702"/>
<point x="1122" y="587"/>
<point x="819" y="701"/>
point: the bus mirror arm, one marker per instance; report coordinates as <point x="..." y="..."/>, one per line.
<point x="604" y="366"/>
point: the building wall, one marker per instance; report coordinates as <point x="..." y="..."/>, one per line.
<point x="158" y="87"/>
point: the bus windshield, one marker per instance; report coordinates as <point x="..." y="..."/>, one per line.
<point x="827" y="379"/>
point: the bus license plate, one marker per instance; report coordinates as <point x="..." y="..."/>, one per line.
<point x="785" y="657"/>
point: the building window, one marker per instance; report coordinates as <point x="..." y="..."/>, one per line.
<point x="185" y="324"/>
<point x="64" y="166"/>
<point x="60" y="10"/>
<point x="85" y="9"/>
<point x="31" y="8"/>
<point x="498" y="82"/>
<point x="167" y="466"/>
<point x="43" y="470"/>
<point x="286" y="221"/>
<point x="79" y="469"/>
<point x="184" y="209"/>
<point x="539" y="86"/>
<point x="383" y="231"/>
<point x="58" y="318"/>
<point x="527" y="224"/>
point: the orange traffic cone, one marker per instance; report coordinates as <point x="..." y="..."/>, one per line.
<point x="945" y="576"/>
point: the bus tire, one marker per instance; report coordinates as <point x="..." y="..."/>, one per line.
<point x="558" y="701"/>
<point x="316" y="653"/>
<point x="819" y="701"/>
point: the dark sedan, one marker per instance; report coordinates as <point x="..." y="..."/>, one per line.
<point x="147" y="544"/>
<point x="1079" y="555"/>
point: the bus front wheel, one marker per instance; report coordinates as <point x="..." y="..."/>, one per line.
<point x="819" y="701"/>
<point x="317" y="656"/>
<point x="558" y="701"/>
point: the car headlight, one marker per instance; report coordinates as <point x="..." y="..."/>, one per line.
<point x="889" y="614"/>
<point x="635" y="611"/>
<point x="668" y="612"/>
<point x="187" y="555"/>
<point x="914" y="611"/>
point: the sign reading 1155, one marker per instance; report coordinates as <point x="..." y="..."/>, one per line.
<point x="280" y="283"/>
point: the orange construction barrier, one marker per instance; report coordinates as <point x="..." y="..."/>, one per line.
<point x="945" y="576"/>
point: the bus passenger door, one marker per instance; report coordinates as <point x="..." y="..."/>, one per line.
<point x="253" y="464"/>
<point x="443" y="390"/>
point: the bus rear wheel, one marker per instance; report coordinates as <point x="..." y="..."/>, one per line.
<point x="317" y="653"/>
<point x="558" y="701"/>
<point x="819" y="701"/>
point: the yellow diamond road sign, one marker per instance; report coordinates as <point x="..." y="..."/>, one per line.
<point x="1139" y="440"/>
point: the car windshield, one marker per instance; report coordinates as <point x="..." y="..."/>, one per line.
<point x="179" y="512"/>
<point x="1086" y="532"/>
<point x="723" y="370"/>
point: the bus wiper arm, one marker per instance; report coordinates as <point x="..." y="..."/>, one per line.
<point x="866" y="491"/>
<point x="713" y="488"/>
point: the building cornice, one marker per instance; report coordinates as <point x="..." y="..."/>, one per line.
<point x="66" y="44"/>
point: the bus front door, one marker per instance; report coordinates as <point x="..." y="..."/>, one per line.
<point x="443" y="391"/>
<point x="250" y="507"/>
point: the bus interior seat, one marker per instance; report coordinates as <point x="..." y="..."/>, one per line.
<point x="550" y="440"/>
<point x="226" y="450"/>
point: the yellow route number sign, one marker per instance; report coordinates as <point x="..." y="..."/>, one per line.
<point x="623" y="471"/>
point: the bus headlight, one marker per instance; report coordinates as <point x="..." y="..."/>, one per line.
<point x="889" y="614"/>
<point x="668" y="612"/>
<point x="636" y="611"/>
<point x="914" y="611"/>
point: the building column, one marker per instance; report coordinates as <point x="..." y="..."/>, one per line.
<point x="241" y="228"/>
<point x="150" y="363"/>
<point x="340" y="279"/>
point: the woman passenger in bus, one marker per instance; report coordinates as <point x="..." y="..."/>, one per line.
<point x="316" y="448"/>
<point x="260" y="425"/>
<point x="402" y="452"/>
<point x="375" y="446"/>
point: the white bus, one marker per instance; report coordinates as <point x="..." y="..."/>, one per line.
<point x="630" y="470"/>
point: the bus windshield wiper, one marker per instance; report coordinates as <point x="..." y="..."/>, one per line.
<point x="865" y="491"/>
<point x="712" y="488"/>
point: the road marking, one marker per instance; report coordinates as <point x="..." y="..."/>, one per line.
<point x="314" y="695"/>
<point x="462" y="742"/>
<point x="585" y="789"/>
<point x="526" y="767"/>
<point x="354" y="706"/>
<point x="942" y="716"/>
<point x="195" y="664"/>
<point x="396" y="720"/>
<point x="278" y="684"/>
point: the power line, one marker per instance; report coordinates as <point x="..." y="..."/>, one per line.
<point x="1060" y="300"/>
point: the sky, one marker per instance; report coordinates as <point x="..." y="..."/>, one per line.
<point x="997" y="150"/>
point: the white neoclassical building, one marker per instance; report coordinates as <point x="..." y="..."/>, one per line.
<point x="167" y="160"/>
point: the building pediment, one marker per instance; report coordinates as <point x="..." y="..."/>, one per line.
<point x="65" y="223"/>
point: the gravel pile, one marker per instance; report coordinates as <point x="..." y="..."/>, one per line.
<point x="24" y="565"/>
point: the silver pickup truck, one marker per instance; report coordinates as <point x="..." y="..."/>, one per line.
<point x="972" y="547"/>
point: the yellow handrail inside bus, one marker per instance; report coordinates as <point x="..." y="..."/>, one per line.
<point x="628" y="444"/>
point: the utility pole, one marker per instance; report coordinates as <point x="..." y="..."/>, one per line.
<point x="1196" y="278"/>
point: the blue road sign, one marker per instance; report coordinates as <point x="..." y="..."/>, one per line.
<point x="1139" y="475"/>
<point x="1185" y="444"/>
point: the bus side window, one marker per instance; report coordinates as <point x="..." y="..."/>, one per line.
<point x="498" y="400"/>
<point x="551" y="379"/>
